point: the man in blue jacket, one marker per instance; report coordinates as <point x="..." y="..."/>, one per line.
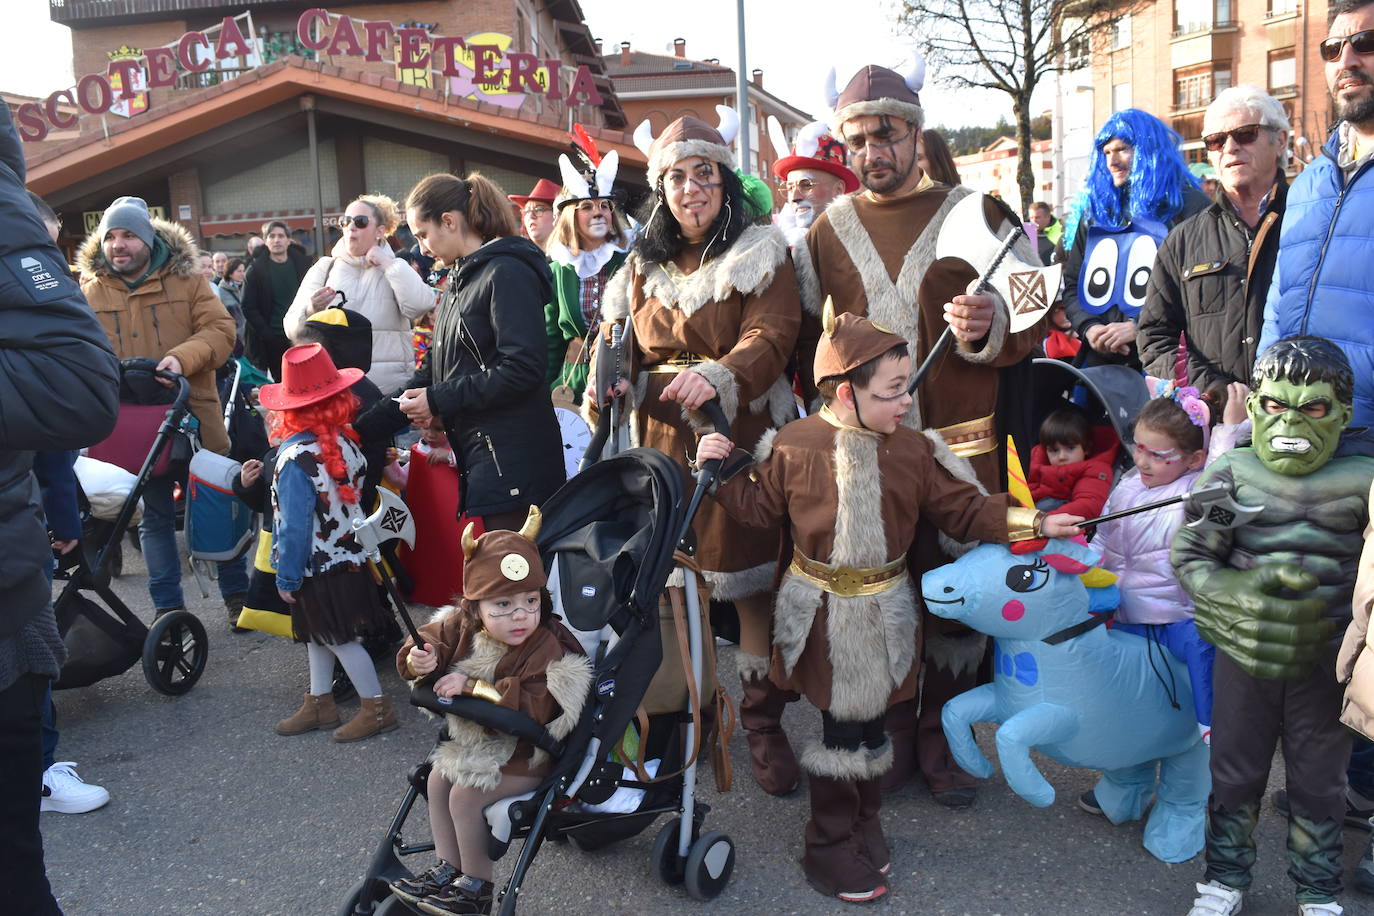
<point x="1322" y="284"/>
<point x="59" y="389"/>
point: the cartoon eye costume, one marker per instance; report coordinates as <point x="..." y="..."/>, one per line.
<point x="1117" y="264"/>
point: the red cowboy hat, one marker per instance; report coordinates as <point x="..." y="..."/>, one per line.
<point x="788" y="163"/>
<point x="544" y="190"/>
<point x="308" y="377"/>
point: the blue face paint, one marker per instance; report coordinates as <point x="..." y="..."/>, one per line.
<point x="1116" y="266"/>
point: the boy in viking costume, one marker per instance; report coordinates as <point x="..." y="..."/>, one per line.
<point x="874" y="252"/>
<point x="499" y="644"/>
<point x="1274" y="596"/>
<point x="848" y="487"/>
<point x="711" y="300"/>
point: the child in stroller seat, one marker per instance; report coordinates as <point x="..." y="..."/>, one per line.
<point x="500" y="643"/>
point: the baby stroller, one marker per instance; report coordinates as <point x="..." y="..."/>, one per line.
<point x="102" y="643"/>
<point x="608" y="537"/>
<point x="1111" y="395"/>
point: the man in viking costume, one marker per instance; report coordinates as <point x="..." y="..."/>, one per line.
<point x="874" y="253"/>
<point x="712" y="300"/>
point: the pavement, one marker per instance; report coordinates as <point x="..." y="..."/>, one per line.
<point x="212" y="812"/>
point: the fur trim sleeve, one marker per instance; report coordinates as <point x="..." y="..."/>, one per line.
<point x="995" y="339"/>
<point x="960" y="469"/>
<point x="615" y="302"/>
<point x="808" y="283"/>
<point x="727" y="391"/>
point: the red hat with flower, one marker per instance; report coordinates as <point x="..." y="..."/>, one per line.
<point x="816" y="148"/>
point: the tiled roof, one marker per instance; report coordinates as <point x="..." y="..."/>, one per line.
<point x="644" y="62"/>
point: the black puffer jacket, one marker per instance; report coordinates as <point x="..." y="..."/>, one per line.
<point x="1210" y="280"/>
<point x="485" y="375"/>
<point x="266" y="339"/>
<point x="59" y="384"/>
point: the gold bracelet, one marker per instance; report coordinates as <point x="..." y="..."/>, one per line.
<point x="483" y="691"/>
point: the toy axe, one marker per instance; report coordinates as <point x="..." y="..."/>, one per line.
<point x="1027" y="290"/>
<point x="391" y="521"/>
<point x="1219" y="509"/>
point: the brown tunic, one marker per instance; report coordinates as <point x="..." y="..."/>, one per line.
<point x="739" y="314"/>
<point x="848" y="496"/>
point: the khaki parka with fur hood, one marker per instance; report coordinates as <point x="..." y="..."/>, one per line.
<point x="173" y="312"/>
<point x="1355" y="663"/>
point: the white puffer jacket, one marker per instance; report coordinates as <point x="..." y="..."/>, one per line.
<point x="389" y="298"/>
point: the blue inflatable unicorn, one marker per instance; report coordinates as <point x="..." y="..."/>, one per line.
<point x="1075" y="690"/>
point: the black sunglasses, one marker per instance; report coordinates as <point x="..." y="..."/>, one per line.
<point x="1360" y="42"/>
<point x="360" y="221"/>
<point x="1243" y="136"/>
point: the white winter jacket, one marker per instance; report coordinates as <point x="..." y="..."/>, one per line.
<point x="389" y="298"/>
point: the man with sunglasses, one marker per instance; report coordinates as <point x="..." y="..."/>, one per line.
<point x="1212" y="272"/>
<point x="1323" y="283"/>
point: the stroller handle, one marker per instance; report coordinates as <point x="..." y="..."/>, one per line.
<point x="706" y="474"/>
<point x="488" y="715"/>
<point x="179" y="381"/>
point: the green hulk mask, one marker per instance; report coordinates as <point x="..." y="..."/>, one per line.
<point x="1296" y="424"/>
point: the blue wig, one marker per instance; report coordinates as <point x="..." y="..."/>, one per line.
<point x="1155" y="188"/>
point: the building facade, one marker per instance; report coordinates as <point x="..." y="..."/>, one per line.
<point x="992" y="170"/>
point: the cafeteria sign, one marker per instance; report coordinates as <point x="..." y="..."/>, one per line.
<point x="480" y="63"/>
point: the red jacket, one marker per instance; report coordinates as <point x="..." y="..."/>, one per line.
<point x="1084" y="484"/>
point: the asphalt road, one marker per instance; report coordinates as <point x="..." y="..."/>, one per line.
<point x="212" y="812"/>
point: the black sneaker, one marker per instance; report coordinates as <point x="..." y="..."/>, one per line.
<point x="1354" y="817"/>
<point x="426" y="884"/>
<point x="1088" y="802"/>
<point x="467" y="896"/>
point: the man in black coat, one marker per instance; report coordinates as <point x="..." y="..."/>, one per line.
<point x="274" y="274"/>
<point x="1212" y="273"/>
<point x="59" y="389"/>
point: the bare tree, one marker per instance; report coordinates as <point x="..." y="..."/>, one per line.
<point x="1010" y="46"/>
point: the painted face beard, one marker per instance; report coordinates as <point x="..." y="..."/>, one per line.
<point x="803" y="213"/>
<point x="1292" y="442"/>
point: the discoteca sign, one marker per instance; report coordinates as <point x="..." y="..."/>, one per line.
<point x="484" y="65"/>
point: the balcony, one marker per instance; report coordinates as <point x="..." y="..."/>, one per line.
<point x="90" y="13"/>
<point x="1188" y="30"/>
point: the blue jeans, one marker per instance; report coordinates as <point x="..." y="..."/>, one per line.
<point x="158" y="535"/>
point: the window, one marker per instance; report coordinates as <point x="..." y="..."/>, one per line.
<point x="1281" y="8"/>
<point x="1195" y="87"/>
<point x="1283" y="71"/>
<point x="1121" y="96"/>
<point x="1077" y="44"/>
<point x="1121" y="33"/>
<point x="1200" y="15"/>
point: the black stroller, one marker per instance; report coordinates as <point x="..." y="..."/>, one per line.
<point x="103" y="643"/>
<point x="608" y="538"/>
<point x="1110" y="395"/>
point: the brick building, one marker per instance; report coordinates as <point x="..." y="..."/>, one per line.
<point x="992" y="170"/>
<point x="295" y="123"/>
<point x="665" y="87"/>
<point x="1172" y="58"/>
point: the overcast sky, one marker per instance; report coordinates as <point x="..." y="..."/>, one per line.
<point x="794" y="43"/>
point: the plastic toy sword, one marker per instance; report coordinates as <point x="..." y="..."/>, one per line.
<point x="1219" y="509"/>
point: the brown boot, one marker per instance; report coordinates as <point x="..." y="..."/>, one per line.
<point x="375" y="716"/>
<point x="316" y="712"/>
<point x="770" y="753"/>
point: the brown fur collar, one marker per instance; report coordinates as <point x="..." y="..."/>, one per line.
<point x="182" y="248"/>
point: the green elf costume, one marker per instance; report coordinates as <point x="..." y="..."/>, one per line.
<point x="1273" y="595"/>
<point x="583" y="261"/>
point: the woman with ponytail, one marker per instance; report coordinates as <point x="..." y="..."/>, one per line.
<point x="320" y="565"/>
<point x="483" y="375"/>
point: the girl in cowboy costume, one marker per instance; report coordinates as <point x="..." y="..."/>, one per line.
<point x="499" y="644"/>
<point x="320" y="565"/>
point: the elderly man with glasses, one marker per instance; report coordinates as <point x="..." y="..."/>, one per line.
<point x="1212" y="273"/>
<point x="811" y="174"/>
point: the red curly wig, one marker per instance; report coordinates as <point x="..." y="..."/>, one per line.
<point x="327" y="420"/>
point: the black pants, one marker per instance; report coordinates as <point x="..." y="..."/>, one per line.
<point x="22" y="876"/>
<point x="1249" y="715"/>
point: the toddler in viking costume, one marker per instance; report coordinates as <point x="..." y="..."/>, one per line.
<point x="499" y="644"/>
<point x="1274" y="596"/>
<point x="847" y="487"/>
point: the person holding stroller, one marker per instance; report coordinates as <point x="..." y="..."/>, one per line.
<point x="848" y="486"/>
<point x="320" y="567"/>
<point x="500" y="643"/>
<point x="713" y="301"/>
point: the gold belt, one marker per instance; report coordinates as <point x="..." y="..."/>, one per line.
<point x="676" y="363"/>
<point x="972" y="437"/>
<point x="848" y="581"/>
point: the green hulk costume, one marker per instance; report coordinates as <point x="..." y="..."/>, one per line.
<point x="1274" y="596"/>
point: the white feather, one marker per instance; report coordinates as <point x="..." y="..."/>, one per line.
<point x="574" y="185"/>
<point x="832" y="95"/>
<point x="915" y="76"/>
<point x="644" y="136"/>
<point x="728" y="128"/>
<point x="778" y="137"/>
<point x="809" y="138"/>
<point x="605" y="173"/>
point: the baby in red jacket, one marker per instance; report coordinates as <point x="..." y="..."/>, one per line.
<point x="1071" y="468"/>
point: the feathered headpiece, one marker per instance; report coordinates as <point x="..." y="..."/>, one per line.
<point x="816" y="148"/>
<point x="593" y="177"/>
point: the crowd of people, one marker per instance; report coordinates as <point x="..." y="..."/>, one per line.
<point x="1243" y="313"/>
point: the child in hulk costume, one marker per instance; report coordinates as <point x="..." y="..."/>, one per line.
<point x="1274" y="596"/>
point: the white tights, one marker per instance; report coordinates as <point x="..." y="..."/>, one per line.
<point x="356" y="662"/>
<point x="460" y="830"/>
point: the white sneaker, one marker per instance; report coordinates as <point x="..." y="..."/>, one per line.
<point x="1320" y="909"/>
<point x="1216" y="899"/>
<point x="66" y="793"/>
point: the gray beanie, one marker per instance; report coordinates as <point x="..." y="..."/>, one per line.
<point x="131" y="215"/>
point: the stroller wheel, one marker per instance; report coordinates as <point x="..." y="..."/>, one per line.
<point x="174" y="652"/>
<point x="710" y="862"/>
<point x="373" y="897"/>
<point x="666" y="864"/>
